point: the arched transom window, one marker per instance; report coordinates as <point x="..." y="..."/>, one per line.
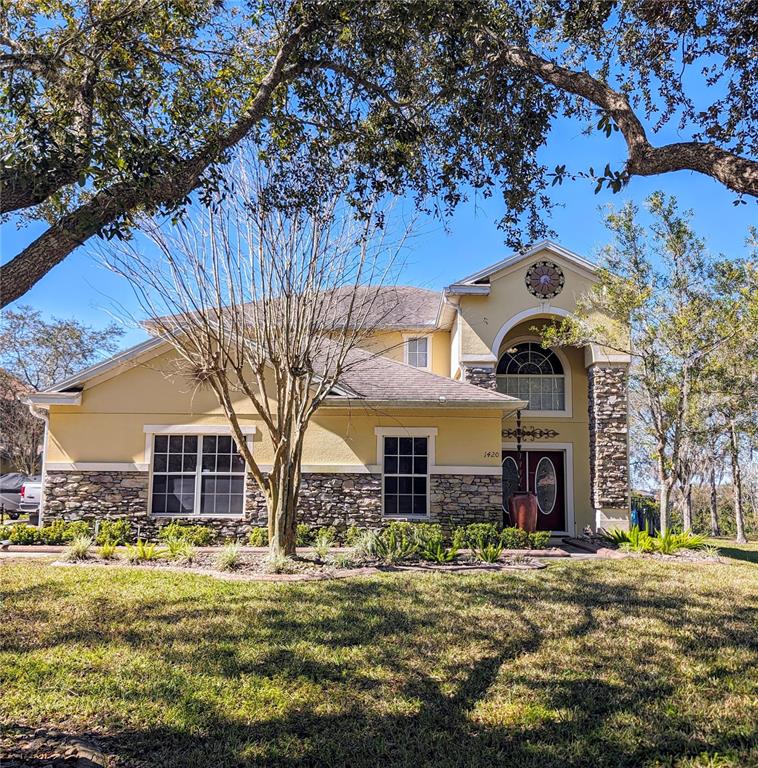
<point x="531" y="373"/>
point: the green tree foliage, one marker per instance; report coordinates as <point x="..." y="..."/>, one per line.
<point x="112" y="108"/>
<point x="34" y="355"/>
<point x="663" y="301"/>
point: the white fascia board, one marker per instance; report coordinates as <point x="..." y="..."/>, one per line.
<point x="461" y="289"/>
<point x="120" y="359"/>
<point x="194" y="429"/>
<point x="508" y="405"/>
<point x="45" y="399"/>
<point x="487" y="358"/>
<point x="514" y="258"/>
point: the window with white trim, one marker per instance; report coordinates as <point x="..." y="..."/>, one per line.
<point x="417" y="352"/>
<point x="197" y="475"/>
<point x="531" y="373"/>
<point x="405" y="476"/>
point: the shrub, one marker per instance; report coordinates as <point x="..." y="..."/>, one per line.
<point x="78" y="549"/>
<point x="395" y="544"/>
<point x="459" y="537"/>
<point x="323" y="542"/>
<point x="399" y="530"/>
<point x="258" y="537"/>
<point x="489" y="553"/>
<point x="477" y="535"/>
<point x="427" y="534"/>
<point x="107" y="551"/>
<point x="436" y="552"/>
<point x="617" y="536"/>
<point x="143" y="551"/>
<point x="689" y="540"/>
<point x="539" y="540"/>
<point x="61" y="532"/>
<point x="303" y="535"/>
<point x="228" y="559"/>
<point x="114" y="532"/>
<point x="21" y="533"/>
<point x="344" y="560"/>
<point x="197" y="535"/>
<point x="279" y="564"/>
<point x="514" y="538"/>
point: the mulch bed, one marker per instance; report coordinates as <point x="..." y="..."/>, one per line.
<point x="253" y="566"/>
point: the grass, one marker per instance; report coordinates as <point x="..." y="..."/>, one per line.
<point x="612" y="663"/>
<point x="729" y="548"/>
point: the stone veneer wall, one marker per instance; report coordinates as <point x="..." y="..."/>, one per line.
<point x="609" y="460"/>
<point x="326" y="499"/>
<point x="480" y="376"/>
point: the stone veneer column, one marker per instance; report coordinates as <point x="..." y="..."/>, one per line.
<point x="609" y="455"/>
<point x="479" y="375"/>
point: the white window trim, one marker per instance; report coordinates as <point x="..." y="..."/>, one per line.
<point x="151" y="430"/>
<point x="566" y="413"/>
<point x="428" y="432"/>
<point x="568" y="475"/>
<point x="406" y="338"/>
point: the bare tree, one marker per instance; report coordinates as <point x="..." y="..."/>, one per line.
<point x="269" y="305"/>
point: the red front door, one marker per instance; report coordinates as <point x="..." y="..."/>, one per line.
<point x="545" y="477"/>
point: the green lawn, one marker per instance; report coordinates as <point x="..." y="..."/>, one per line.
<point x="613" y="663"/>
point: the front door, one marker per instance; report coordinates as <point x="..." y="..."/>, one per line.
<point x="545" y="477"/>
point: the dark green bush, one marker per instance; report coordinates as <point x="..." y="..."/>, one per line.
<point x="197" y="535"/>
<point x="476" y="535"/>
<point x="61" y="532"/>
<point x="258" y="537"/>
<point x="303" y="535"/>
<point x="21" y="533"/>
<point x="539" y="539"/>
<point x="427" y="534"/>
<point x="352" y="536"/>
<point x="114" y="532"/>
<point x="515" y="538"/>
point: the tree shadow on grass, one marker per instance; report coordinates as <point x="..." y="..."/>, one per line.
<point x="746" y="555"/>
<point x="399" y="671"/>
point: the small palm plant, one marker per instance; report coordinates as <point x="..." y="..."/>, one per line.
<point x="180" y="549"/>
<point x="488" y="553"/>
<point x="143" y="551"/>
<point x="107" y="551"/>
<point x="393" y="547"/>
<point x="437" y="552"/>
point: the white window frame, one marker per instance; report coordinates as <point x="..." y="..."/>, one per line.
<point x="567" y="385"/>
<point x="430" y="433"/>
<point x="199" y="431"/>
<point x="407" y="338"/>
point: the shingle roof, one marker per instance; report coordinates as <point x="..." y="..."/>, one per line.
<point x="378" y="379"/>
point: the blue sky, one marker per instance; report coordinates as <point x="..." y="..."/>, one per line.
<point x="438" y="255"/>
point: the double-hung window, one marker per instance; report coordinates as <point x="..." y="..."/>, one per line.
<point x="406" y="476"/>
<point x="417" y="351"/>
<point x="197" y="475"/>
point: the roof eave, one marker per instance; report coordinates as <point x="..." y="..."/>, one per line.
<point x="503" y="405"/>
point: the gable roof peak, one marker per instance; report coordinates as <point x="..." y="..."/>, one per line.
<point x="529" y="252"/>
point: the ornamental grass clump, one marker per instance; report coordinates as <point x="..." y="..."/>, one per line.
<point x="180" y="549"/>
<point x="229" y="558"/>
<point x="78" y="549"/>
<point x="323" y="543"/>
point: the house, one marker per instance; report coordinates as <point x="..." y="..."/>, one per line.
<point x="428" y="430"/>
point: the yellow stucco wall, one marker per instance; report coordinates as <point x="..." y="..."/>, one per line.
<point x="482" y="317"/>
<point x="391" y="344"/>
<point x="108" y="426"/>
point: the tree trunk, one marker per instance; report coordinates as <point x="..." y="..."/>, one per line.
<point x="282" y="508"/>
<point x="739" y="515"/>
<point x="714" y="504"/>
<point x="664" y="489"/>
<point x="687" y="508"/>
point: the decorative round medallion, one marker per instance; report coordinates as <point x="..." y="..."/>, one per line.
<point x="544" y="279"/>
